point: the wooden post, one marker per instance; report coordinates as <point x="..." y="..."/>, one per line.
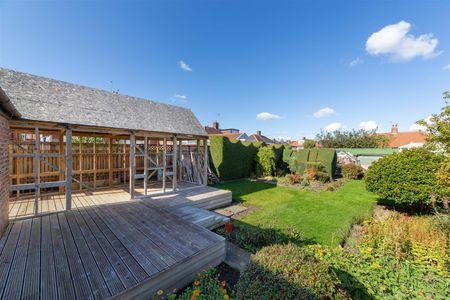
<point x="164" y="164"/>
<point x="61" y="159"/>
<point x="110" y="162"/>
<point x="132" y="163"/>
<point x="145" y="165"/>
<point x="180" y="159"/>
<point x="197" y="163"/>
<point x="94" y="159"/>
<point x="205" y="162"/>
<point x="174" y="163"/>
<point x="80" y="149"/>
<point x="36" y="171"/>
<point x="69" y="168"/>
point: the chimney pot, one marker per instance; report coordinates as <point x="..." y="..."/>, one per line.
<point x="215" y="125"/>
<point x="258" y="132"/>
<point x="394" y="129"/>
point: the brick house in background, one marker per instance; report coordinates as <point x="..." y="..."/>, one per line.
<point x="258" y="137"/>
<point x="231" y="133"/>
<point x="404" y="140"/>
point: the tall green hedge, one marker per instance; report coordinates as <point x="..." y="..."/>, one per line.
<point x="236" y="159"/>
<point x="300" y="159"/>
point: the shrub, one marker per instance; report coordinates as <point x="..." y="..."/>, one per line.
<point x="265" y="161"/>
<point x="352" y="171"/>
<point x="407" y="178"/>
<point x="253" y="238"/>
<point x="294" y="178"/>
<point x="286" y="272"/>
<point x="206" y="286"/>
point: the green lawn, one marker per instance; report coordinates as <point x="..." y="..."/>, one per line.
<point x="324" y="217"/>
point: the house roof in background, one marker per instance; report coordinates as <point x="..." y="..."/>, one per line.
<point x="212" y="130"/>
<point x="403" y="138"/>
<point x="261" y="138"/>
<point x="38" y="98"/>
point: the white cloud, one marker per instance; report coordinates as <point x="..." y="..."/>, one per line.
<point x="184" y="66"/>
<point x="334" y="126"/>
<point x="324" y="112"/>
<point x="181" y="97"/>
<point x="355" y="62"/>
<point x="265" y="116"/>
<point x="395" y="42"/>
<point x="368" y="125"/>
<point x="417" y="127"/>
<point x="447" y="67"/>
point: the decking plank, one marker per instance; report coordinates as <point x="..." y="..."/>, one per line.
<point x="111" y="274"/>
<point x="136" y="243"/>
<point x="9" y="250"/>
<point x="77" y="271"/>
<point x="48" y="288"/>
<point x="13" y="287"/>
<point x="33" y="269"/>
<point x="64" y="282"/>
<point x="108" y="238"/>
<point x="97" y="282"/>
<point x="4" y="237"/>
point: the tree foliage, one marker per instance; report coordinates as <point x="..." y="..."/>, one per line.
<point x="265" y="161"/>
<point x="438" y="138"/>
<point x="352" y="139"/>
<point x="308" y="144"/>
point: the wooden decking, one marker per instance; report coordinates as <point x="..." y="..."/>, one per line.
<point x="202" y="197"/>
<point x="107" y="246"/>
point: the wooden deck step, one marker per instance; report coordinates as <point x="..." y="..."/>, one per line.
<point x="202" y="217"/>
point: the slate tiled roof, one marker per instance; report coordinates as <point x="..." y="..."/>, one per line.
<point x="42" y="99"/>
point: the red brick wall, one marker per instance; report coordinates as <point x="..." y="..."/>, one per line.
<point x="4" y="178"/>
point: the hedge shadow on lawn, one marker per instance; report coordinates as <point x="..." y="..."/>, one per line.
<point x="252" y="238"/>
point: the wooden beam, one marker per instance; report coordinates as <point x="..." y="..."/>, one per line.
<point x="36" y="171"/>
<point x="145" y="165"/>
<point x="174" y="163"/>
<point x="205" y="162"/>
<point x="132" y="164"/>
<point x="61" y="159"/>
<point x="197" y="163"/>
<point x="94" y="158"/>
<point x="164" y="164"/>
<point x="68" y="168"/>
<point x="110" y="162"/>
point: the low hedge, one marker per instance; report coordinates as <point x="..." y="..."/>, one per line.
<point x="299" y="160"/>
<point x="286" y="272"/>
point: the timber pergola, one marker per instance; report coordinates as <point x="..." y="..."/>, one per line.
<point x="65" y="137"/>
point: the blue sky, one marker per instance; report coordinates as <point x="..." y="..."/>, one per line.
<point x="242" y="58"/>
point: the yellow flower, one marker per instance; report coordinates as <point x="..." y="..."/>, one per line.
<point x="174" y="290"/>
<point x="160" y="292"/>
<point x="226" y="297"/>
<point x="196" y="293"/>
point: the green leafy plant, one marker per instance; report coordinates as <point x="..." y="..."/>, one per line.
<point x="206" y="286"/>
<point x="286" y="272"/>
<point x="352" y="171"/>
<point x="408" y="178"/>
<point x="352" y="139"/>
<point x="265" y="161"/>
<point x="308" y="144"/>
